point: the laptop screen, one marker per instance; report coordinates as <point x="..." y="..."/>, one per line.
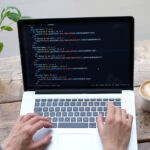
<point x="77" y="53"/>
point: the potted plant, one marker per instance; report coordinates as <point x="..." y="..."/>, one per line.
<point x="13" y="14"/>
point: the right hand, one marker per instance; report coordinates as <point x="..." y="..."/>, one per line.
<point x="21" y="135"/>
<point x="115" y="133"/>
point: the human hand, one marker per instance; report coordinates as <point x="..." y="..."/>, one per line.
<point x="20" y="138"/>
<point x="115" y="133"/>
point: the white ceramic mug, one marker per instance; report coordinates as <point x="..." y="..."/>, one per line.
<point x="144" y="91"/>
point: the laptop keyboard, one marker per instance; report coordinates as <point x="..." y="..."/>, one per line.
<point x="74" y="113"/>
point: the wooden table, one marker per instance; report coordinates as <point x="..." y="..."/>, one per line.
<point x="11" y="93"/>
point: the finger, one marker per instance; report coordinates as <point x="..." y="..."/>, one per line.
<point x="40" y="124"/>
<point x="20" y="118"/>
<point x="28" y="116"/>
<point x="38" y="118"/>
<point x="46" y="140"/>
<point x="100" y="123"/>
<point x="118" y="115"/>
<point x="111" y="111"/>
<point x="124" y="115"/>
<point x="130" y="120"/>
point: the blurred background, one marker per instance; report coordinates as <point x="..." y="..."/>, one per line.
<point x="139" y="9"/>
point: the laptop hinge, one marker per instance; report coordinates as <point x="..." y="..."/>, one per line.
<point x="78" y="91"/>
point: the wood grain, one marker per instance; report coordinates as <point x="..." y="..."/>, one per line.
<point x="11" y="88"/>
<point x="9" y="112"/>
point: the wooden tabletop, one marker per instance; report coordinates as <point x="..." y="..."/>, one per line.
<point x="11" y="90"/>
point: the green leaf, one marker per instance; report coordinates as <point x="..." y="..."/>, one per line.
<point x="25" y="17"/>
<point x="1" y="46"/>
<point x="7" y="28"/>
<point x="2" y="13"/>
<point x="13" y="16"/>
<point x="15" y="8"/>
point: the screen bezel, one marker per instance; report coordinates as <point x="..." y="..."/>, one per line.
<point x="127" y="19"/>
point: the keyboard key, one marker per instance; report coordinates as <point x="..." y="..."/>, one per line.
<point x="43" y="100"/>
<point x="37" y="108"/>
<point x="86" y="100"/>
<point x="92" y="119"/>
<point x="105" y="108"/>
<point x="64" y="114"/>
<point x="92" y="125"/>
<point x="54" y="119"/>
<point x="84" y="104"/>
<point x="103" y="103"/>
<point x="37" y="104"/>
<point x="49" y="100"/>
<point x="75" y="108"/>
<point x="45" y="108"/>
<point x="57" y="108"/>
<point x="93" y="109"/>
<point x="87" y="108"/>
<point x="66" y="104"/>
<point x="51" y="108"/>
<point x="99" y="109"/>
<point x="69" y="108"/>
<point x="95" y="114"/>
<point x="90" y="103"/>
<point x="43" y="104"/>
<point x="56" y="100"/>
<point x="60" y="104"/>
<point x="74" y="100"/>
<point x="89" y="114"/>
<point x="49" y="103"/>
<point x="73" y="119"/>
<point x="85" y="119"/>
<point x="67" y="119"/>
<point x="78" y="104"/>
<point x="62" y="100"/>
<point x="96" y="104"/>
<point x="79" y="119"/>
<point x="118" y="99"/>
<point x="117" y="103"/>
<point x="68" y="100"/>
<point x="80" y="100"/>
<point x="92" y="100"/>
<point x="70" y="114"/>
<point x="111" y="99"/>
<point x="76" y="114"/>
<point x="99" y="99"/>
<point x="72" y="104"/>
<point x="52" y="114"/>
<point x="61" y="119"/>
<point x="54" y="103"/>
<point x="105" y="99"/>
<point x="63" y="108"/>
<point x="81" y="108"/>
<point x="58" y="114"/>
<point x="37" y="100"/>
<point x="72" y="125"/>
<point x="46" y="114"/>
<point x="82" y="114"/>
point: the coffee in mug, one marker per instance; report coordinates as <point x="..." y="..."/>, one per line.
<point x="145" y="94"/>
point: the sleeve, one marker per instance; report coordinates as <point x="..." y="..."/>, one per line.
<point x="1" y="148"/>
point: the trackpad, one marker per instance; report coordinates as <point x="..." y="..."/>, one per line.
<point x="75" y="141"/>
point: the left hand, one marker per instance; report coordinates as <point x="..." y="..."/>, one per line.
<point x="21" y="135"/>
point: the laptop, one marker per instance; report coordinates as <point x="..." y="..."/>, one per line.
<point x="71" y="68"/>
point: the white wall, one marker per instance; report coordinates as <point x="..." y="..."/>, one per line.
<point x="140" y="9"/>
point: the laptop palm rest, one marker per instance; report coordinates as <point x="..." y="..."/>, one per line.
<point x="75" y="141"/>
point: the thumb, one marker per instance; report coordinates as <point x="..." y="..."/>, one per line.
<point x="100" y="123"/>
<point x="46" y="140"/>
